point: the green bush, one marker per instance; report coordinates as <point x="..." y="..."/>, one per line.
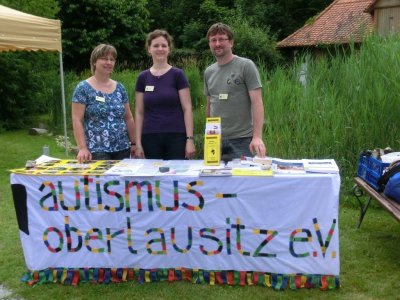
<point x="254" y="42"/>
<point x="20" y="82"/>
<point x="196" y="85"/>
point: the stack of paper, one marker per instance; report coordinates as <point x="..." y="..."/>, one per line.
<point x="136" y="167"/>
<point x="252" y="171"/>
<point x="215" y="172"/>
<point x="320" y="166"/>
<point x="264" y="162"/>
<point x="124" y="168"/>
<point x="390" y="157"/>
<point x="288" y="166"/>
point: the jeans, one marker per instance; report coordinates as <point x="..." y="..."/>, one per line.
<point x="166" y="146"/>
<point x="236" y="147"/>
<point x="118" y="155"/>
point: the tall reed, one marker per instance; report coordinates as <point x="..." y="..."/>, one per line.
<point x="348" y="103"/>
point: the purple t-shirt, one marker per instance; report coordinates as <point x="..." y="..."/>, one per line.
<point x="162" y="108"/>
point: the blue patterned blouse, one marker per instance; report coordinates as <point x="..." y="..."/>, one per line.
<point x="104" y="123"/>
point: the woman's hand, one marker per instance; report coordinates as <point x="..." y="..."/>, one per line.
<point x="139" y="153"/>
<point x="190" y="149"/>
<point x="133" y="150"/>
<point x="84" y="155"/>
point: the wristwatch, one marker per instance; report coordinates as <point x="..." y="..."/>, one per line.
<point x="190" y="137"/>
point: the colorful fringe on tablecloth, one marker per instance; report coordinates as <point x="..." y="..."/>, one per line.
<point x="111" y="275"/>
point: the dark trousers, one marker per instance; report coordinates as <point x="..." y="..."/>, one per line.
<point x="119" y="155"/>
<point x="167" y="146"/>
<point x="236" y="147"/>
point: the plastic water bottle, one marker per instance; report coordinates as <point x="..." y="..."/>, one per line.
<point x="46" y="150"/>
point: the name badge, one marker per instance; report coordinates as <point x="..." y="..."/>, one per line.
<point x="149" y="88"/>
<point x="100" y="99"/>
<point x="223" y="97"/>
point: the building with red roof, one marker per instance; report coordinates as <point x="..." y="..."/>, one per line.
<point x="344" y="22"/>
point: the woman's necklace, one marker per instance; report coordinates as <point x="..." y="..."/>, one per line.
<point x="106" y="86"/>
<point x="159" y="71"/>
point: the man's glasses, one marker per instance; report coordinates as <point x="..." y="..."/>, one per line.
<point x="214" y="41"/>
<point x="112" y="59"/>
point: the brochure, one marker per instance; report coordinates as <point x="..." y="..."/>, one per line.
<point x="124" y="168"/>
<point x="266" y="162"/>
<point x="184" y="168"/>
<point x="136" y="167"/>
<point x="288" y="166"/>
<point x="252" y="171"/>
<point x="215" y="172"/>
<point x="320" y="166"/>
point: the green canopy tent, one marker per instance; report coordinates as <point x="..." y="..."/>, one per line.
<point x="25" y="32"/>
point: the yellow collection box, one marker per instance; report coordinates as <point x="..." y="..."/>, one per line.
<point x="212" y="142"/>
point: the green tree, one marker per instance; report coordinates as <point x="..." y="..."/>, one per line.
<point x="194" y="32"/>
<point x="18" y="89"/>
<point x="251" y="40"/>
<point x="254" y="42"/>
<point x="173" y="16"/>
<point x="188" y="21"/>
<point x="122" y="23"/>
<point x="282" y="17"/>
<point x="42" y="8"/>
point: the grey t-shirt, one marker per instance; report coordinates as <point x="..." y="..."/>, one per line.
<point x="228" y="87"/>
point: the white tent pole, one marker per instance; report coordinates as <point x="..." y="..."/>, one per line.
<point x="63" y="103"/>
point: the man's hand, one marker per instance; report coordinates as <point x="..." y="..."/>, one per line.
<point x="257" y="146"/>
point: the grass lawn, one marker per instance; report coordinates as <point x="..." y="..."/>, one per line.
<point x="369" y="256"/>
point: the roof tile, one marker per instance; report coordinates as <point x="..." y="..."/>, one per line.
<point x="342" y="21"/>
